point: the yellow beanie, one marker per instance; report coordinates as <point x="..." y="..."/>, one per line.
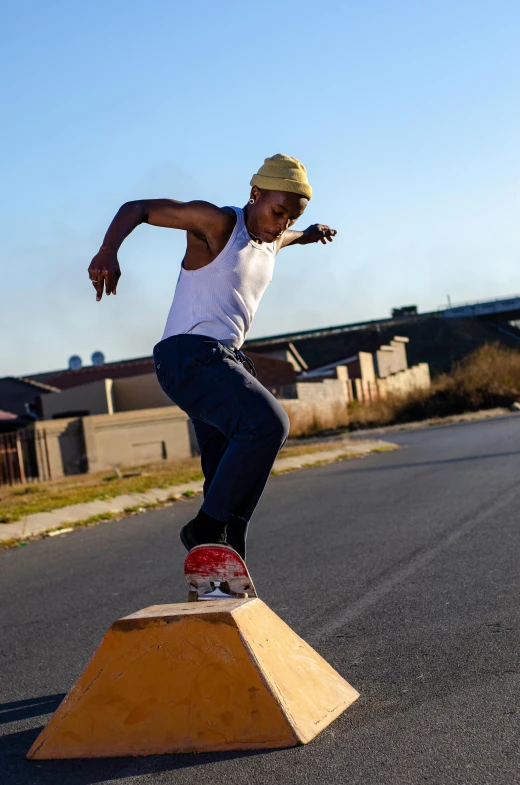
<point x="283" y="173"/>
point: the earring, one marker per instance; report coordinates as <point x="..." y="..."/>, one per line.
<point x="251" y="201"/>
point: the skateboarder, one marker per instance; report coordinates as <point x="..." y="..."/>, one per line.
<point x="228" y="264"/>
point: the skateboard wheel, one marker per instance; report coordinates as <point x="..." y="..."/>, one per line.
<point x="193" y="596"/>
<point x="242" y="595"/>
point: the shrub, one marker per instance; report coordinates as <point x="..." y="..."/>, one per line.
<point x="487" y="378"/>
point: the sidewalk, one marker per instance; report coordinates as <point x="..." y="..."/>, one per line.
<point x="65" y="518"/>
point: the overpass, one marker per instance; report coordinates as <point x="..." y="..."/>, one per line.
<point x="439" y="337"/>
<point x="507" y="309"/>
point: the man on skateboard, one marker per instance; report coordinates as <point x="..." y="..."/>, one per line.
<point x="228" y="264"/>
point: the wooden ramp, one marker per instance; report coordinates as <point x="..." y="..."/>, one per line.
<point x="196" y="677"/>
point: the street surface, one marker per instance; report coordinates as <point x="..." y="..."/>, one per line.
<point x="401" y="569"/>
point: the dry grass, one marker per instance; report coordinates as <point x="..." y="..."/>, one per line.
<point x="20" y="500"/>
<point x="487" y="379"/>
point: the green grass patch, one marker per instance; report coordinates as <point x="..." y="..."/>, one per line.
<point x="15" y="502"/>
<point x="19" y="501"/>
<point x="102" y="516"/>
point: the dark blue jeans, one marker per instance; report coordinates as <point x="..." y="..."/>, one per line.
<point x="239" y="425"/>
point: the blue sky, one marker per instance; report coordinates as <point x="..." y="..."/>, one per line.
<point x="406" y="115"/>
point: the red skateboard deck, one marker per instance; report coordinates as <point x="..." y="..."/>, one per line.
<point x="216" y="572"/>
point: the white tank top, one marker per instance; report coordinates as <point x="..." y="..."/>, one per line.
<point x="221" y="299"/>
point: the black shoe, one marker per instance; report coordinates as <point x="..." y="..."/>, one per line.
<point x="203" y="530"/>
<point x="236" y="534"/>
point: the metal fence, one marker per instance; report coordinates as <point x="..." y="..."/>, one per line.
<point x="24" y="457"/>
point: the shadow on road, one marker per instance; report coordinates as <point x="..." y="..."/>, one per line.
<point x="32" y="707"/>
<point x="16" y="768"/>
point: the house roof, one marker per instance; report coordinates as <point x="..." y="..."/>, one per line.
<point x="64" y="380"/>
<point x="7" y="416"/>
<point x="16" y="393"/>
<point x="437" y="341"/>
<point x="271" y="372"/>
<point x="37" y="384"/>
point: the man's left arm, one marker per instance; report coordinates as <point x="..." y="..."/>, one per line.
<point x="313" y="234"/>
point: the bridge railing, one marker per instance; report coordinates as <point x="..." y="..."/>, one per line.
<point x="499" y="303"/>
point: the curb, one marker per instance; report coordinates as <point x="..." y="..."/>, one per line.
<point x="64" y="519"/>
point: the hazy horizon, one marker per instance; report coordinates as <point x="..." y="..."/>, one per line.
<point x="406" y="118"/>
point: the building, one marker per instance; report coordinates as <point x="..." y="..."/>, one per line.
<point x="131" y="385"/>
<point x="439" y="338"/>
<point x="20" y="401"/>
<point x="104" y="416"/>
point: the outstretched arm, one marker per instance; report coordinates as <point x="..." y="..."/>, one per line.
<point x="104" y="270"/>
<point x="313" y="234"/>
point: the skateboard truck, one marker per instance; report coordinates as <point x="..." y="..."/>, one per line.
<point x="218" y="591"/>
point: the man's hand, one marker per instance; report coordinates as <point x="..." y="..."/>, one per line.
<point x="104" y="272"/>
<point x="318" y="232"/>
<point x="311" y="235"/>
<point x="214" y="223"/>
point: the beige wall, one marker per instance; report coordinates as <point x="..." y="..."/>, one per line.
<point x="138" y="392"/>
<point x="343" y="376"/>
<point x="65" y="447"/>
<point x="138" y="437"/>
<point x="105" y="441"/>
<point x="326" y="390"/>
<point x="399" y="347"/>
<point x="391" y="359"/>
<point x="366" y="367"/>
<point x="415" y="378"/>
<point x="365" y="390"/>
<point x="314" y="415"/>
<point x="107" y="396"/>
<point x="383" y="362"/>
<point x="95" y="398"/>
<point x="337" y="389"/>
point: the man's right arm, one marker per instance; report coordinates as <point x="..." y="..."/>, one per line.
<point x="104" y="270"/>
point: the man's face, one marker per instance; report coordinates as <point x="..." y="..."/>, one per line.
<point x="273" y="212"/>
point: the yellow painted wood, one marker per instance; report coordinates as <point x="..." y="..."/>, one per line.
<point x="195" y="677"/>
<point x="310" y="692"/>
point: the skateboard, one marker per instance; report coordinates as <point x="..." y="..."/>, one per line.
<point x="217" y="572"/>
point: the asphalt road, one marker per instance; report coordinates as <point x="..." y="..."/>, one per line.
<point x="422" y="616"/>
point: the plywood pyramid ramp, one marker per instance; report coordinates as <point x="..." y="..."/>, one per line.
<point x="310" y="693"/>
<point x="196" y="677"/>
